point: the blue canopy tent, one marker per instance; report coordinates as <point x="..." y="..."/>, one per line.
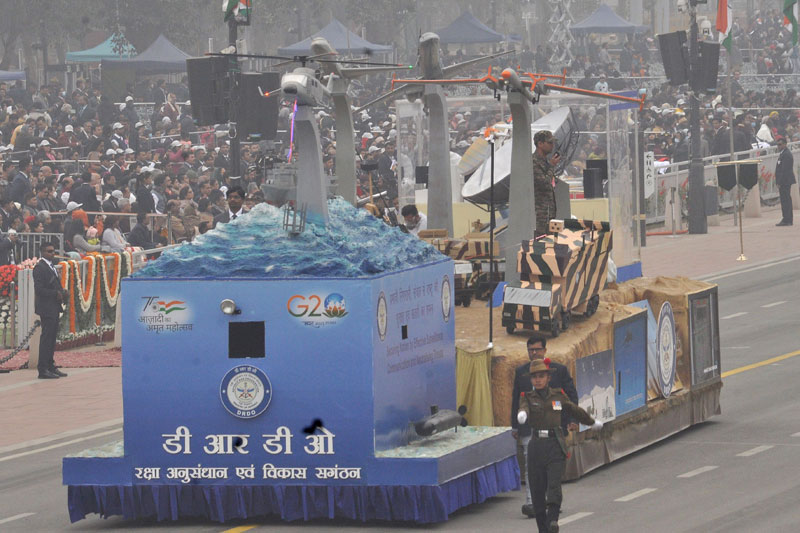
<point x="466" y="29"/>
<point x="604" y="20"/>
<point x="104" y="50"/>
<point x="340" y="38"/>
<point x="12" y="75"/>
<point x="160" y="57"/>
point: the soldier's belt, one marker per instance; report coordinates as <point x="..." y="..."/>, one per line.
<point x="544" y="433"/>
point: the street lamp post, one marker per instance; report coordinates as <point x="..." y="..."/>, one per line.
<point x="233" y="69"/>
<point x="696" y="193"/>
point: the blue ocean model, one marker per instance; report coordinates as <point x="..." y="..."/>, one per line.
<point x="264" y="374"/>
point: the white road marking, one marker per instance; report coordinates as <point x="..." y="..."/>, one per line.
<point x="573" y="518"/>
<point x="796" y="434"/>
<point x="734" y="315"/>
<point x="724" y="275"/>
<point x="634" y="495"/>
<point x="773" y="304"/>
<point x="698" y="471"/>
<point x="757" y="449"/>
<point x="15" y="517"/>
<point x="59" y="436"/>
<point x="59" y="445"/>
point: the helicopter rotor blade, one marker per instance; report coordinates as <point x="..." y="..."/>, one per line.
<point x="300" y="59"/>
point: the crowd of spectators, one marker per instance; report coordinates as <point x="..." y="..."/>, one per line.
<point x="67" y="155"/>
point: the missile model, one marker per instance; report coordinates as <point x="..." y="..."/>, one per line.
<point x="441" y="420"/>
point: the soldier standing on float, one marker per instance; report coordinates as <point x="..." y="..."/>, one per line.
<point x="543" y="175"/>
<point x="541" y="409"/>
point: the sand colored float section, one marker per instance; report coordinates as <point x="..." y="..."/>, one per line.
<point x="660" y="419"/>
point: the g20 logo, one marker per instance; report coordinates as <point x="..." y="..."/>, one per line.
<point x="315" y="308"/>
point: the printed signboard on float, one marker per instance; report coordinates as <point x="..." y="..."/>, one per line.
<point x="704" y="335"/>
<point x="630" y="363"/>
<point x="594" y="379"/>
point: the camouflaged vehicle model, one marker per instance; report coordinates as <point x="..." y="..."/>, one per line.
<point x="560" y="273"/>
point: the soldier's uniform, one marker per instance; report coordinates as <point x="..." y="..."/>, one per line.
<point x="547" y="449"/>
<point x="543" y="192"/>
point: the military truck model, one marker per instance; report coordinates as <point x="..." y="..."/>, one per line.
<point x="561" y="274"/>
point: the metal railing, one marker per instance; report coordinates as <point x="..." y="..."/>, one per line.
<point x="675" y="176"/>
<point x="23" y="317"/>
<point x="28" y="244"/>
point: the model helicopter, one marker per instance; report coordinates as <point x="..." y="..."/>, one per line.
<point x="431" y="69"/>
<point x="531" y="88"/>
<point x="339" y="78"/>
<point x="314" y="88"/>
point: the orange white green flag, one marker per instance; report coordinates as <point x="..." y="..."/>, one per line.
<point x="790" y="16"/>
<point x="724" y="23"/>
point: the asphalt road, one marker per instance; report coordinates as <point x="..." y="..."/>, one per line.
<point x="737" y="472"/>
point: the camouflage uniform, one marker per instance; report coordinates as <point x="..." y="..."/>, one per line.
<point x="544" y="194"/>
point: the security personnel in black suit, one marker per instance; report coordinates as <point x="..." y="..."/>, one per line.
<point x="784" y="178"/>
<point x="560" y="379"/>
<point x="47" y="304"/>
<point x="235" y="196"/>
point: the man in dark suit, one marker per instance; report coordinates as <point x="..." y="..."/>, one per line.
<point x="21" y="185"/>
<point x="235" y="196"/>
<point x="8" y="244"/>
<point x="720" y="142"/>
<point x="223" y="159"/>
<point x="784" y="178"/>
<point x="140" y="235"/>
<point x="560" y="379"/>
<point x="47" y="304"/>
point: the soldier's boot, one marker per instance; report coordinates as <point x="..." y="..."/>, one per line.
<point x="552" y="518"/>
<point x="541" y="522"/>
<point x="528" y="511"/>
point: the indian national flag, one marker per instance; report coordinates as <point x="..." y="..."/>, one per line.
<point x="725" y="23"/>
<point x="790" y="16"/>
<point x="233" y="8"/>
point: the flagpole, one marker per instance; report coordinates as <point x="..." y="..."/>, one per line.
<point x="737" y="216"/>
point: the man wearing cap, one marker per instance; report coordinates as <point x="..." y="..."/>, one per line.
<point x="784" y="178"/>
<point x="541" y="410"/>
<point x="602" y="85"/>
<point x="118" y="136"/>
<point x="543" y="177"/>
<point x="136" y="141"/>
<point x="48" y="299"/>
<point x="129" y="110"/>
<point x="68" y="138"/>
<point x="560" y="379"/>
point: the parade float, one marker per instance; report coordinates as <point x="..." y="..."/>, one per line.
<point x="267" y="373"/>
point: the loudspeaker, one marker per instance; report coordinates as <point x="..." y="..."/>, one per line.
<point x="674" y="56"/>
<point x="256" y="114"/>
<point x="421" y="175"/>
<point x="209" y="89"/>
<point x="599" y="164"/>
<point x="592" y="183"/>
<point x="705" y="80"/>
